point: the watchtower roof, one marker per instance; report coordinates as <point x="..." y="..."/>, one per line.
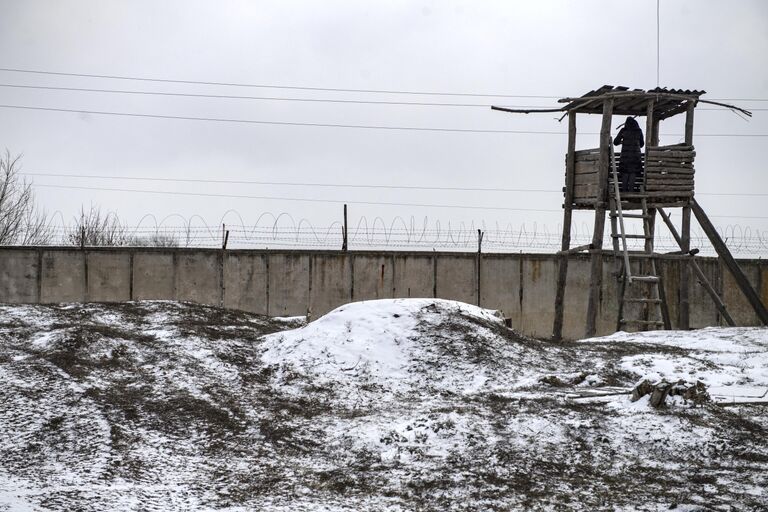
<point x="633" y="102"/>
<point x="629" y="102"/>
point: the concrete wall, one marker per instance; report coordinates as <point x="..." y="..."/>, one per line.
<point x="286" y="283"/>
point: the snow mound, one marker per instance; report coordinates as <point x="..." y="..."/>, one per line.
<point x="394" y="342"/>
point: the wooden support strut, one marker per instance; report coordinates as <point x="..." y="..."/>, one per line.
<point x="738" y="275"/>
<point x="596" y="270"/>
<point x="570" y="171"/>
<point x="699" y="273"/>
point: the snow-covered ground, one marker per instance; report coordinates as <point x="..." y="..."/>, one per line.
<point x="392" y="405"/>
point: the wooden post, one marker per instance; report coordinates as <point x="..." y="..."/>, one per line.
<point x="478" y="263"/>
<point x="684" y="307"/>
<point x="344" y="245"/>
<point x="570" y="171"/>
<point x="479" y="241"/>
<point x="649" y="129"/>
<point x="649" y="224"/>
<point x="733" y="267"/>
<point x="596" y="272"/>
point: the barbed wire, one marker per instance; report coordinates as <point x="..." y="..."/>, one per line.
<point x="282" y="230"/>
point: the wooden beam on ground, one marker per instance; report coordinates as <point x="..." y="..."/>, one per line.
<point x="730" y="263"/>
<point x="562" y="272"/>
<point x="596" y="271"/>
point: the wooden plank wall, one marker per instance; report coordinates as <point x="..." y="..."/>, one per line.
<point x="669" y="174"/>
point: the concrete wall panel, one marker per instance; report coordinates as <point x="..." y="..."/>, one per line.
<point x="288" y="284"/>
<point x="539" y="283"/>
<point x="737" y="304"/>
<point x="109" y="276"/>
<point x="245" y="282"/>
<point x="198" y="277"/>
<point x="576" y="298"/>
<point x="703" y="311"/>
<point x="414" y="276"/>
<point x="670" y="276"/>
<point x="456" y="278"/>
<point x="372" y="277"/>
<point x="500" y="285"/>
<point x="331" y="284"/>
<point x="153" y="276"/>
<point x="63" y="278"/>
<point x="18" y="276"/>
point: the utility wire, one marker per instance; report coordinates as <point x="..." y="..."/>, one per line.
<point x="307" y="200"/>
<point x="658" y="47"/>
<point x="330" y="89"/>
<point x="285" y="183"/>
<point x="274" y="98"/>
<point x="332" y="125"/>
<point x="266" y="98"/>
<point x="334" y="185"/>
<point x="281" y="123"/>
<point x="273" y="86"/>
<point x="311" y="200"/>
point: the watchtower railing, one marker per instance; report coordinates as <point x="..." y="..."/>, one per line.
<point x="669" y="172"/>
<point x="667" y="176"/>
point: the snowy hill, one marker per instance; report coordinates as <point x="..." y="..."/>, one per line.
<point x="390" y="405"/>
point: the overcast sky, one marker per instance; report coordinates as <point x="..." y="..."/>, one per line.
<point x="543" y="48"/>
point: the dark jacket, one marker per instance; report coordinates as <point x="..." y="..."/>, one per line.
<point x="631" y="139"/>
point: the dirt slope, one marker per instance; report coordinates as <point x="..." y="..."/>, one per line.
<point x="384" y="405"/>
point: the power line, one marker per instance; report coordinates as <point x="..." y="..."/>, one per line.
<point x="284" y="183"/>
<point x="658" y="50"/>
<point x="275" y="98"/>
<point x="305" y="88"/>
<point x="281" y="123"/>
<point x="311" y="200"/>
<point x="333" y="125"/>
<point x="265" y="98"/>
<point x="335" y="185"/>
<point x="307" y="200"/>
<point x="273" y="86"/>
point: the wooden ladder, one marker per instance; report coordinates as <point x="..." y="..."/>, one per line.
<point x="645" y="290"/>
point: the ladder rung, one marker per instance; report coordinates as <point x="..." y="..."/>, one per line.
<point x="645" y="279"/>
<point x="647" y="301"/>
<point x="641" y="322"/>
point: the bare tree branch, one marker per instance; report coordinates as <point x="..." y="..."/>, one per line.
<point x="21" y="221"/>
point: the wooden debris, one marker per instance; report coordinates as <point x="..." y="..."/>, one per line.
<point x="659" y="391"/>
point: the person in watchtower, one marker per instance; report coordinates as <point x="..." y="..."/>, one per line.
<point x="630" y="138"/>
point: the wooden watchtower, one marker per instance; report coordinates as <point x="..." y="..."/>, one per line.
<point x="667" y="182"/>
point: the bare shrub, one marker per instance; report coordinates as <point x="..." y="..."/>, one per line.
<point x="155" y="240"/>
<point x="95" y="228"/>
<point x="21" y="221"/>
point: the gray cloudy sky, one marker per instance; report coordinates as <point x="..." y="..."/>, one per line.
<point x="543" y="48"/>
